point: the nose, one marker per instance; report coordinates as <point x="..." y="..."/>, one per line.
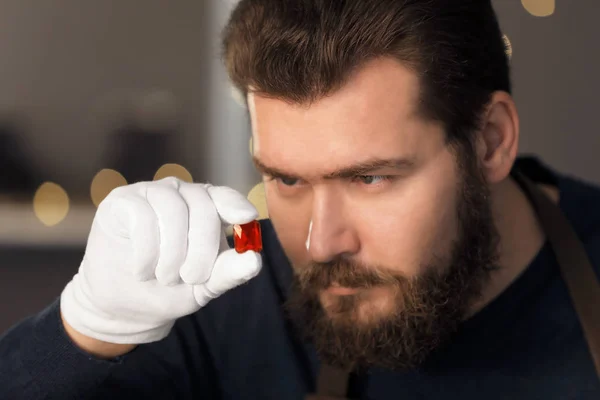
<point x="331" y="233"/>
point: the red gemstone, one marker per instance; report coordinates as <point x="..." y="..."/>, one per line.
<point x="247" y="237"/>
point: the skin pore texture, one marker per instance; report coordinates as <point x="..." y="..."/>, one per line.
<point x="408" y="236"/>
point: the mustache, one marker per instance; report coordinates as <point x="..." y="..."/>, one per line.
<point x="345" y="272"/>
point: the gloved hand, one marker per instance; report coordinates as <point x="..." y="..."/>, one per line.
<point x="157" y="251"/>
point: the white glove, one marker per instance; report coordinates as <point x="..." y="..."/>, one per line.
<point x="156" y="252"/>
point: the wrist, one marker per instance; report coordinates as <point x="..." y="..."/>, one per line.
<point x="95" y="347"/>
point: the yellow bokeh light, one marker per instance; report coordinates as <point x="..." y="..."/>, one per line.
<point x="175" y="170"/>
<point x="539" y="8"/>
<point x="50" y="204"/>
<point x="508" y="46"/>
<point x="256" y="196"/>
<point x="103" y="183"/>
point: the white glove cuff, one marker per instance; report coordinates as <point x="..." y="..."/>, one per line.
<point x="89" y="321"/>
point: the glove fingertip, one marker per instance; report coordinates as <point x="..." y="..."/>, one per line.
<point x="232" y="206"/>
<point x="254" y="263"/>
<point x="244" y="266"/>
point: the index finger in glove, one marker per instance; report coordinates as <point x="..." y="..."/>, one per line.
<point x="204" y="234"/>
<point x="232" y="206"/>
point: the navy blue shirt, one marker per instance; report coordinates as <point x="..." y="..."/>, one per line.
<point x="526" y="344"/>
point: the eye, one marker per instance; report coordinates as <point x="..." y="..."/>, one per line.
<point x="372" y="179"/>
<point x="288" y="186"/>
<point x="287" y="181"/>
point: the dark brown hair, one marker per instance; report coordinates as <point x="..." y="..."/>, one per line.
<point x="302" y="50"/>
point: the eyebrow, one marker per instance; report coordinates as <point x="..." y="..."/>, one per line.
<point x="361" y="168"/>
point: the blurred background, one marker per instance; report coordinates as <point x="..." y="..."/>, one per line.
<point x="98" y="94"/>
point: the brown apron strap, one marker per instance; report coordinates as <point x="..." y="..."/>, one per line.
<point x="576" y="270"/>
<point x="332" y="384"/>
<point x="574" y="264"/>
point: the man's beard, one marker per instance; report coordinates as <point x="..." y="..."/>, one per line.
<point x="430" y="307"/>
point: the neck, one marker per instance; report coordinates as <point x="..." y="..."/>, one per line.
<point x="521" y="237"/>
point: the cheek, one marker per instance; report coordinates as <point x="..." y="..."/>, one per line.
<point x="291" y="222"/>
<point x="405" y="230"/>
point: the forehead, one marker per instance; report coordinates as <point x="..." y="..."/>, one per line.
<point x="373" y="116"/>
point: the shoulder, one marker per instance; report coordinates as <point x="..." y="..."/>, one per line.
<point x="580" y="201"/>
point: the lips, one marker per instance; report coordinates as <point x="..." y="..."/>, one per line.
<point x="338" y="290"/>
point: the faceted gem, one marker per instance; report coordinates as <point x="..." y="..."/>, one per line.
<point x="247" y="237"/>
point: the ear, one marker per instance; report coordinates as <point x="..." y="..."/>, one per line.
<point x="498" y="141"/>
